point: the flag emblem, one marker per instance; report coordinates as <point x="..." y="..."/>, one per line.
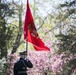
<point x="32" y="30"/>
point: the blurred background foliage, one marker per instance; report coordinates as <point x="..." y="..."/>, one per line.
<point x="55" y="21"/>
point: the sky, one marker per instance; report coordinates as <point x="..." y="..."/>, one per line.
<point x="44" y="8"/>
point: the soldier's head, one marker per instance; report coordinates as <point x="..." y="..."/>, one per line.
<point x="23" y="54"/>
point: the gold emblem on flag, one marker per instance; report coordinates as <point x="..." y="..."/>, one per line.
<point x="32" y="29"/>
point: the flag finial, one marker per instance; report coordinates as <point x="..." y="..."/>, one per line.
<point x="27" y="0"/>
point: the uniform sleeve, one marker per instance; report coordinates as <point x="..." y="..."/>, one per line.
<point x="15" y="69"/>
<point x="29" y="64"/>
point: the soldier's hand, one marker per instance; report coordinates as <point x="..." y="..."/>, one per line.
<point x="27" y="58"/>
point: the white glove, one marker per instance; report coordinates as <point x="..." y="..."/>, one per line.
<point x="27" y="58"/>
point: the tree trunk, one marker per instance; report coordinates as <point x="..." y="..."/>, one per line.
<point x="17" y="41"/>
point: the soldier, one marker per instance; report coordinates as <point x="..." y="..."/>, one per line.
<point x="20" y="67"/>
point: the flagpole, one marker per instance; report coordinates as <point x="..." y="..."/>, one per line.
<point x="27" y="41"/>
<point x="27" y="46"/>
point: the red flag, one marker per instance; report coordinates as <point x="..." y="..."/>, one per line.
<point x="30" y="32"/>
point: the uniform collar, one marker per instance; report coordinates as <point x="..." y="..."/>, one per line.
<point x="21" y="59"/>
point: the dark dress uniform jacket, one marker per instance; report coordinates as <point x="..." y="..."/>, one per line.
<point x="20" y="67"/>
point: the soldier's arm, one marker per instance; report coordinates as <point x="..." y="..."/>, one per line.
<point x="28" y="63"/>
